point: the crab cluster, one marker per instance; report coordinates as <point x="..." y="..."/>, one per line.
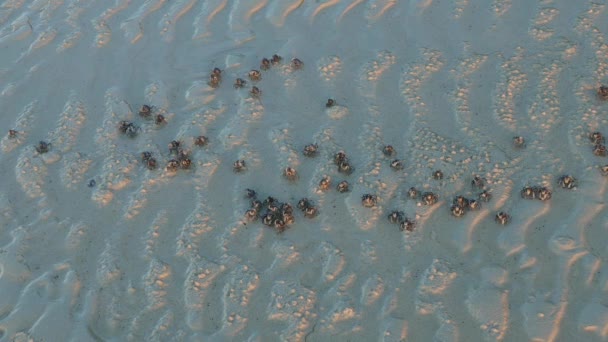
<point x="276" y="214"/>
<point x="398" y="217"/>
<point x="602" y="92"/>
<point x="239" y="166"/>
<point x="215" y="78"/>
<point x="598" y="141"/>
<point x="148" y="160"/>
<point x="181" y="158"/>
<point x="146" y="112"/>
<point x="536" y="192"/>
<point x="460" y="205"/>
<point x="343" y="164"/>
<point x="427" y="198"/>
<point x="128" y="128"/>
<point x="274" y="60"/>
<point x="254" y="75"/>
<point x="307" y="207"/>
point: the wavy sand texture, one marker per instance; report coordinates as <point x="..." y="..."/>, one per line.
<point x="96" y="246"/>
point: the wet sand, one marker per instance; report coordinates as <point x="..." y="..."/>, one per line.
<point x="96" y="246"/>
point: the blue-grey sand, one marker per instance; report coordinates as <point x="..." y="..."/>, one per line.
<point x="100" y="244"/>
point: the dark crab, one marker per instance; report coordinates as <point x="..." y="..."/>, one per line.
<point x="478" y="182"/>
<point x="567" y="182"/>
<point x="413" y="193"/>
<point x="343" y="187"/>
<point x="325" y="183"/>
<point x="201" y="140"/>
<point x="388" y="150"/>
<point x="502" y="218"/>
<point x="43" y="147"/>
<point x="239" y="83"/>
<point x="128" y="128"/>
<point x="429" y="198"/>
<point x="407" y="225"/>
<point x="602" y="92"/>
<point x="296" y="64"/>
<point x="397" y="165"/>
<point x="145" y="111"/>
<point x="310" y="150"/>
<point x="519" y="142"/>
<point x="239" y="166"/>
<point x="265" y="64"/>
<point x="457" y="210"/>
<point x="438" y="175"/>
<point x="255" y="75"/>
<point x="290" y="174"/>
<point x="369" y="201"/>
<point x="395" y="217"/>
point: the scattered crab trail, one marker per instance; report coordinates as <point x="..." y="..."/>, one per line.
<point x="209" y="11"/>
<point x="287" y="155"/>
<point x="15" y="274"/>
<point x="7" y="8"/>
<point x="199" y="222"/>
<point x="201" y="277"/>
<point x="312" y="12"/>
<point x="43" y="39"/>
<point x="544" y="317"/>
<point x="461" y="98"/>
<point x="100" y="24"/>
<point x="237" y="293"/>
<point x="501" y="7"/>
<point x="19" y="29"/>
<point x="155" y="284"/>
<point x="46" y="8"/>
<point x="434" y="283"/>
<point x="240" y="16"/>
<point x="169" y="20"/>
<point x="587" y="26"/>
<point x="22" y="126"/>
<point x="133" y="26"/>
<point x="459" y="8"/>
<point x="236" y="131"/>
<point x="292" y="304"/>
<point x="348" y="8"/>
<point x="156" y="234"/>
<point x="279" y="10"/>
<point x="544" y="111"/>
<point x="370" y="143"/>
<point x="376" y="9"/>
<point x="513" y="240"/>
<point x="413" y="79"/>
<point x="68" y="125"/>
<point x="74" y="11"/>
<point x="469" y="65"/>
<point x="156" y="95"/>
<point x="508" y="89"/>
<point x="540" y="29"/>
<point x="488" y="303"/>
<point x="118" y="164"/>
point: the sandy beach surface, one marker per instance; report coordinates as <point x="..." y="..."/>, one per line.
<point x="100" y="241"/>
